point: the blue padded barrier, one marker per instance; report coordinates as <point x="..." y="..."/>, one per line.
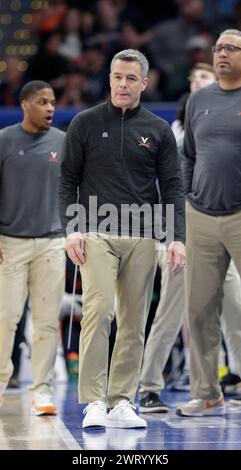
<point x="63" y="116"/>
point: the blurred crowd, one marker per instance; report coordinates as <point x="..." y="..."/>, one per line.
<point x="76" y="41"/>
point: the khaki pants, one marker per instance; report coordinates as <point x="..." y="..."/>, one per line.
<point x="125" y="266"/>
<point x="35" y="266"/>
<point x="167" y="322"/>
<point x="231" y="318"/>
<point x="169" y="317"/>
<point x="211" y="243"/>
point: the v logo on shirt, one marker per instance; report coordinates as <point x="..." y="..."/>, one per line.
<point x="143" y="142"/>
<point x="53" y="157"/>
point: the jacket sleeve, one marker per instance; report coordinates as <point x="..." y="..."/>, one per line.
<point x="71" y="169"/>
<point x="170" y="181"/>
<point x="188" y="152"/>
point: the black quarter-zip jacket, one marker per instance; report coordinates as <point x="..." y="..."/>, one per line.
<point x="118" y="158"/>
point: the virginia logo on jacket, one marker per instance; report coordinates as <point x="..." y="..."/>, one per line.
<point x="53" y="158"/>
<point x="143" y="142"/>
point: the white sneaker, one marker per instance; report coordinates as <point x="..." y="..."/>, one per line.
<point x="42" y="405"/>
<point x="3" y="385"/>
<point x="95" y="414"/>
<point x="200" y="407"/>
<point x="124" y="416"/>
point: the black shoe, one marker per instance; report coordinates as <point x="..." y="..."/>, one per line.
<point x="151" y="403"/>
<point x="231" y="384"/>
<point x="13" y="382"/>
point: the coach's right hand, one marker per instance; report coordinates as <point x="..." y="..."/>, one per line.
<point x="75" y="247"/>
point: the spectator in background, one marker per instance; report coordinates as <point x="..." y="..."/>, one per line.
<point x="11" y="83"/>
<point x="220" y="15"/>
<point x="167" y="46"/>
<point x="48" y="64"/>
<point x="95" y="88"/>
<point x="199" y="49"/>
<point x="201" y="75"/>
<point x="71" y="45"/>
<point x="152" y="91"/>
<point x="71" y="93"/>
<point x="49" y="19"/>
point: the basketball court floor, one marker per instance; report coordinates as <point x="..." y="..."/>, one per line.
<point x="21" y="431"/>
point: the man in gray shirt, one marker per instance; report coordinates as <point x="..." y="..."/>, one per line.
<point x="32" y="257"/>
<point x="212" y="182"/>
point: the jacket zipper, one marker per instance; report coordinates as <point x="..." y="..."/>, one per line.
<point x="122" y="136"/>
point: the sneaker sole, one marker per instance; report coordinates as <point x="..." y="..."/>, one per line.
<point x="208" y="412"/>
<point x="154" y="409"/>
<point x="94" y="424"/>
<point x="125" y="425"/>
<point x="44" y="411"/>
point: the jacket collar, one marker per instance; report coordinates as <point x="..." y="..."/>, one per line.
<point x="118" y="111"/>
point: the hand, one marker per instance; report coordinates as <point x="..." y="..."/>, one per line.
<point x="1" y="256"/>
<point x="75" y="247"/>
<point x="176" y="256"/>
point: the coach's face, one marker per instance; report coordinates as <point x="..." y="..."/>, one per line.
<point x="127" y="84"/>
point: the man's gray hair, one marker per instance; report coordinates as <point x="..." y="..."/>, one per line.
<point x="132" y="55"/>
<point x="235" y="32"/>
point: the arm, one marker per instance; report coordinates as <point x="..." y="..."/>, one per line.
<point x="170" y="182"/>
<point x="188" y="153"/>
<point x="69" y="181"/>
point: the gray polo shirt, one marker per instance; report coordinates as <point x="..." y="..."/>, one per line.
<point x="212" y="150"/>
<point x="29" y="169"/>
